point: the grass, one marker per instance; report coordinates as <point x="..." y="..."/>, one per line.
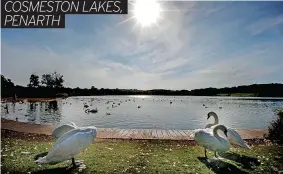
<point x="142" y="157"/>
<point x="243" y="95"/>
<point x="239" y="95"/>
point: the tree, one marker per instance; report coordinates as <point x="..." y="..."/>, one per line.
<point x="47" y="80"/>
<point x="54" y="80"/>
<point x="6" y="83"/>
<point x="58" y="80"/>
<point x="33" y="80"/>
<point x="93" y="88"/>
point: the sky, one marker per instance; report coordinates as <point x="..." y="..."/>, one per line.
<point x="194" y="45"/>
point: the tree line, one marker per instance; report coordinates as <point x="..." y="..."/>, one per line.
<point x="50" y="80"/>
<point x="51" y="85"/>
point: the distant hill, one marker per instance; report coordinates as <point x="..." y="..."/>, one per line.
<point x="259" y="90"/>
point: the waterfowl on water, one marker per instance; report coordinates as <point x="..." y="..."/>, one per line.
<point x="91" y="110"/>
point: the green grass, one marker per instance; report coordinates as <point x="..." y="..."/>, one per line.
<point x="142" y="157"/>
<point x="239" y="95"/>
<point x="223" y="95"/>
<point x="243" y="95"/>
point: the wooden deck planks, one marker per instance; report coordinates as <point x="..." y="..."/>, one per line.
<point x="159" y="134"/>
<point x="165" y="134"/>
<point x="106" y="133"/>
<point x="154" y="133"/>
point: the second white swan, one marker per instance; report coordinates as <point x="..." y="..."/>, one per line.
<point x="211" y="140"/>
<point x="233" y="136"/>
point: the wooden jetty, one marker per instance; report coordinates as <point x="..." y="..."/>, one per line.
<point x="116" y="133"/>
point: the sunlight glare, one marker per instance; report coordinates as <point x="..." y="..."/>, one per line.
<point x="147" y="12"/>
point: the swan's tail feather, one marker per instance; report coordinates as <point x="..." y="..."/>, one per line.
<point x="242" y="144"/>
<point x="41" y="160"/>
<point x="74" y="124"/>
<point x="245" y="145"/>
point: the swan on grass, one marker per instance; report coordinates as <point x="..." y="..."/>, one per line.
<point x="68" y="146"/>
<point x="233" y="136"/>
<point x="211" y="140"/>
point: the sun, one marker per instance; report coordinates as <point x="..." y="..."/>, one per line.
<point x="147" y="12"/>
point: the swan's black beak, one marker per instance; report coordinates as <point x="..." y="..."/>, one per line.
<point x="208" y="116"/>
<point x="225" y="132"/>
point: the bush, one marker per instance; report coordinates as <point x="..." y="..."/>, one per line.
<point x="63" y="95"/>
<point x="276" y="128"/>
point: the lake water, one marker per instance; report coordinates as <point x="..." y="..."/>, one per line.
<point x="185" y="112"/>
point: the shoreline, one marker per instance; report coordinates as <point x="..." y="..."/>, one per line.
<point x="123" y="134"/>
<point x="28" y="99"/>
<point x="9" y="134"/>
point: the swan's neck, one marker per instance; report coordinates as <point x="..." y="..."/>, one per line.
<point x="216" y="120"/>
<point x="215" y="133"/>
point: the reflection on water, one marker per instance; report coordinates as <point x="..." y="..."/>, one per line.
<point x="39" y="112"/>
<point x="163" y="112"/>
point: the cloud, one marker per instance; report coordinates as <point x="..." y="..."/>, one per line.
<point x="265" y="24"/>
<point x="196" y="45"/>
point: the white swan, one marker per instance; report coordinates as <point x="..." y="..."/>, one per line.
<point x="233" y="136"/>
<point x="69" y="145"/>
<point x="59" y="131"/>
<point x="211" y="140"/>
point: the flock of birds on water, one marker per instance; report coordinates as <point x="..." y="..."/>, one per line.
<point x="87" y="105"/>
<point x="72" y="139"/>
<point x="114" y="104"/>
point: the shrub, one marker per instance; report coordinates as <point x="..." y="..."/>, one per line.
<point x="63" y="95"/>
<point x="276" y="128"/>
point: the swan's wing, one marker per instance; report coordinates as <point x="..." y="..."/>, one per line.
<point x="70" y="144"/>
<point x="206" y="138"/>
<point x="66" y="136"/>
<point x="235" y="138"/>
<point x="208" y="126"/>
<point x="59" y="131"/>
<point x="74" y="124"/>
<point x="195" y="131"/>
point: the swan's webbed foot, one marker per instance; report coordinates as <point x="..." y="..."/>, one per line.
<point x="76" y="163"/>
<point x="79" y="162"/>
<point x="215" y="154"/>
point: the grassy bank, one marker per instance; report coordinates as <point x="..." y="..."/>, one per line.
<point x="142" y="157"/>
<point x="243" y="95"/>
<point x="239" y="95"/>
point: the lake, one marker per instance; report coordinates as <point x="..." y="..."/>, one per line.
<point x="155" y="112"/>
